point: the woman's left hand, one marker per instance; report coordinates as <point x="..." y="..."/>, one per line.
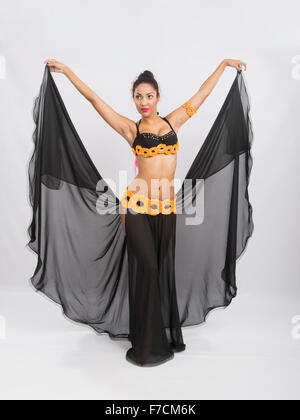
<point x="238" y="64"/>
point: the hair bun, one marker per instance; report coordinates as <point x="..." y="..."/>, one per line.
<point x="148" y="74"/>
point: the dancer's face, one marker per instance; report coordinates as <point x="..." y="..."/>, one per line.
<point x="146" y="99"/>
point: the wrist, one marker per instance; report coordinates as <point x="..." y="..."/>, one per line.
<point x="66" y="70"/>
<point x="225" y="61"/>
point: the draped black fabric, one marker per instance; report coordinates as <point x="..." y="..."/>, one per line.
<point x="90" y="267"/>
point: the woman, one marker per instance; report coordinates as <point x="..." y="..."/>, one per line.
<point x="139" y="268"/>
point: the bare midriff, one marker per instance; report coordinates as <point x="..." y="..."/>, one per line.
<point x="156" y="176"/>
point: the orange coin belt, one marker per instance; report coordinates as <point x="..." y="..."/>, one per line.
<point x="152" y="206"/>
<point x="152" y="151"/>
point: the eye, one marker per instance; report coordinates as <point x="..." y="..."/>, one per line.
<point x="137" y="96"/>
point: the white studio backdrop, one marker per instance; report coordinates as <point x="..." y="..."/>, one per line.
<point x="249" y="347"/>
<point x="107" y="44"/>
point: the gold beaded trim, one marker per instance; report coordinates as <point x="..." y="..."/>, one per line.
<point x="131" y="199"/>
<point x="191" y="110"/>
<point x="152" y="151"/>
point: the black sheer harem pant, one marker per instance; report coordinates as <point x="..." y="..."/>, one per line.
<point x="155" y="331"/>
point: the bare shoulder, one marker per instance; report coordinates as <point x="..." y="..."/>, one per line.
<point x="183" y="113"/>
<point x="129" y="130"/>
<point x="171" y="117"/>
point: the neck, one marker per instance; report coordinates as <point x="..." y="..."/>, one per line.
<point x="151" y="119"/>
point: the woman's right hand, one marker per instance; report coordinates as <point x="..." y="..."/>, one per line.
<point x="55" y="65"/>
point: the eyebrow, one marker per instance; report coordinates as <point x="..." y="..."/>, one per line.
<point x="138" y="93"/>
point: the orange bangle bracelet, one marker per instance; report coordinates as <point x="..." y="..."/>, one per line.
<point x="191" y="110"/>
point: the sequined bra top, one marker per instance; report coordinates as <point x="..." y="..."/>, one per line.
<point x="149" y="144"/>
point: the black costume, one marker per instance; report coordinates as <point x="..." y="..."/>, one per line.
<point x="172" y="267"/>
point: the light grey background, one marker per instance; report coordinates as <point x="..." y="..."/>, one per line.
<point x="243" y="352"/>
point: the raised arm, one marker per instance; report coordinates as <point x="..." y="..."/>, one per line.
<point x="180" y="115"/>
<point x="114" y="119"/>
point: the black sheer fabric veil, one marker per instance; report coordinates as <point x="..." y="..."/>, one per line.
<point x="76" y="229"/>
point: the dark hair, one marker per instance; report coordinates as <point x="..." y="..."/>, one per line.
<point x="145" y="77"/>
